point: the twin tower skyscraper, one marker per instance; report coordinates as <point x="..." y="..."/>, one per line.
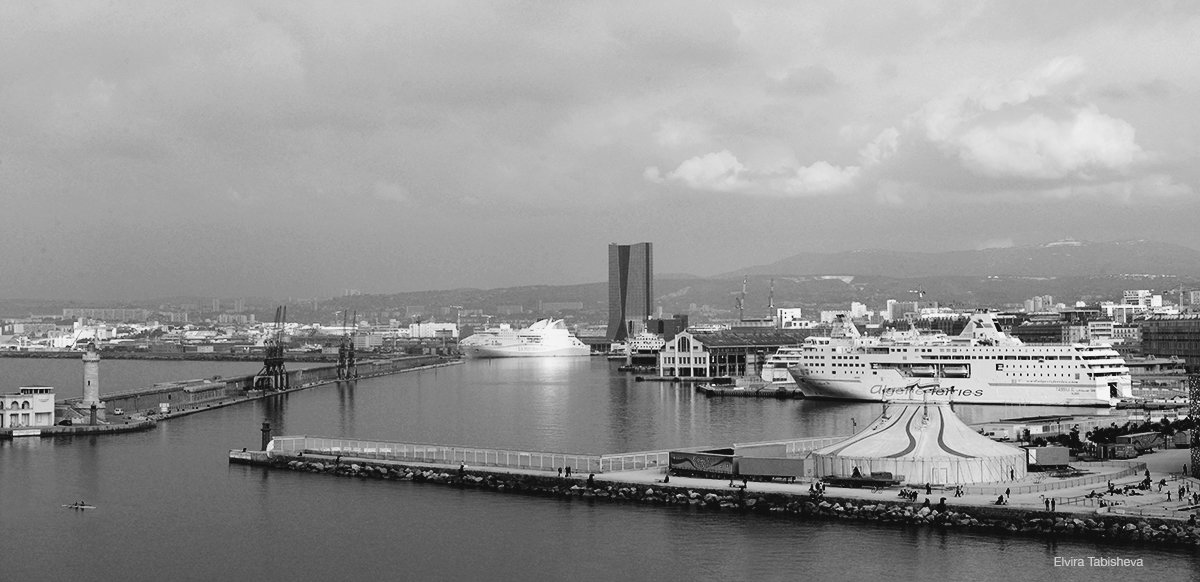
<point x="630" y="289"/>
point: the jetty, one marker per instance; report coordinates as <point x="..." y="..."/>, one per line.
<point x="145" y="407"/>
<point x="1036" y="504"/>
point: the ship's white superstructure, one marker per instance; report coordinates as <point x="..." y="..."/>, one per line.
<point x="546" y="337"/>
<point x="776" y="366"/>
<point x="980" y="366"/>
<point x="646" y="343"/>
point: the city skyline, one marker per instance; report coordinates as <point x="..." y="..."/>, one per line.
<point x="296" y="149"/>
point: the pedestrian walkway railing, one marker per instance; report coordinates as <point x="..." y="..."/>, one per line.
<point x="546" y="461"/>
<point x="634" y="461"/>
<point x="797" y="447"/>
<point x="427" y="453"/>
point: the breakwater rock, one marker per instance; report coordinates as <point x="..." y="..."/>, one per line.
<point x="1004" y="520"/>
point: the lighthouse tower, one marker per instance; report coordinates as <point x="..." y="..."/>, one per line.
<point x="91" y="378"/>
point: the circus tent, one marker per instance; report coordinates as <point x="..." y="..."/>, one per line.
<point x="923" y="442"/>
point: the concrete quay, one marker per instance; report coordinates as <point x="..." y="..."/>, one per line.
<point x="231" y="391"/>
<point x="1145" y="518"/>
<point x="260" y="394"/>
<point x="78" y="430"/>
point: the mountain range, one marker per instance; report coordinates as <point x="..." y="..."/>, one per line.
<point x="1067" y="258"/>
<point x="1067" y="270"/>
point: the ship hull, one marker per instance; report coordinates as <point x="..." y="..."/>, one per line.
<point x="962" y="390"/>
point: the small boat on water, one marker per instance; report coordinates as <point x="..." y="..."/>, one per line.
<point x="80" y="506"/>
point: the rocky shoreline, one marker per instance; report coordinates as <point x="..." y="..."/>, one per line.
<point x="1002" y="520"/>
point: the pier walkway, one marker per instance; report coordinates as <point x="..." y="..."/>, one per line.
<point x="531" y="460"/>
<point x="648" y="468"/>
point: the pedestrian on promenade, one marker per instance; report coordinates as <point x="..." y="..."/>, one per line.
<point x="1047" y="505"/>
<point x="560" y="471"/>
<point x="928" y="489"/>
<point x="1012" y="475"/>
<point x="591" y="480"/>
<point x="1053" y="502"/>
<point x="1007" y="493"/>
<point x="568" y="471"/>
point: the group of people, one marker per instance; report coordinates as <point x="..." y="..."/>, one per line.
<point x="817" y="489"/>
<point x="909" y="494"/>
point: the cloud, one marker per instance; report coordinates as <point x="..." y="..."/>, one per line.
<point x="821" y="177"/>
<point x="720" y="172"/>
<point x="1040" y="147"/>
<point x="723" y="172"/>
<point x="1030" y="128"/>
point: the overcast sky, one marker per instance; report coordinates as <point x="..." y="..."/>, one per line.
<point x="298" y="148"/>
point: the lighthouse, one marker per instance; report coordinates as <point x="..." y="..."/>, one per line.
<point x="91" y="378"/>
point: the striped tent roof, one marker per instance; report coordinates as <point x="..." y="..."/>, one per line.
<point x="919" y="430"/>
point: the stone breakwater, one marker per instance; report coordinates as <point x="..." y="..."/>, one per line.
<point x="1004" y="520"/>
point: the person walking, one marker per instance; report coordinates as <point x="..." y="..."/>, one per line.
<point x="1053" y="502"/>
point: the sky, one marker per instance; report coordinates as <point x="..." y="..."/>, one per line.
<point x="294" y="148"/>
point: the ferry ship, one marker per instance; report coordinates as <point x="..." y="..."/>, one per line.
<point x="982" y="365"/>
<point x="545" y="338"/>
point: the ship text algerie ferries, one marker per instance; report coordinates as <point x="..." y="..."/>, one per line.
<point x="982" y="365"/>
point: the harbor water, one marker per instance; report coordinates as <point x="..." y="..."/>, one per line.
<point x="169" y="506"/>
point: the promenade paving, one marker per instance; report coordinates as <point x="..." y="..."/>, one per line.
<point x="1163" y="465"/>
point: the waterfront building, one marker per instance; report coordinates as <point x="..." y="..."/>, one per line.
<point x="30" y="406"/>
<point x="684" y="356"/>
<point x="1172" y="335"/>
<point x="630" y="289"/>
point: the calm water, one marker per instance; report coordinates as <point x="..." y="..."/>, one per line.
<point x="171" y="508"/>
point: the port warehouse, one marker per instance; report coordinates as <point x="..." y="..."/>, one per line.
<point x="190" y="393"/>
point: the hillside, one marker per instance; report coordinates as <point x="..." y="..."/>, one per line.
<point x="1060" y="259"/>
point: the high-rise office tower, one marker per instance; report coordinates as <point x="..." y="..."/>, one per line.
<point x="630" y="288"/>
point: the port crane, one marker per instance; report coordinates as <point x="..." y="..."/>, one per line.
<point x="347" y="366"/>
<point x="274" y="376"/>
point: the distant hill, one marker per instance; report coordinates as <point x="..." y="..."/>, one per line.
<point x="1058" y="259"/>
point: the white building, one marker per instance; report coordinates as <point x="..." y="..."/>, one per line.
<point x="791" y="318"/>
<point x="433" y="330"/>
<point x="1100" y="330"/>
<point x="32" y="406"/>
<point x="683" y="357"/>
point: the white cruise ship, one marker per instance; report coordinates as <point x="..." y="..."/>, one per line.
<point x="546" y="337"/>
<point x="980" y="366"/>
<point x="776" y="367"/>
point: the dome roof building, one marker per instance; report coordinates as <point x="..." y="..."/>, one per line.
<point x="923" y="442"/>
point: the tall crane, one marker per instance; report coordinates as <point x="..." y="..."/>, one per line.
<point x="274" y="375"/>
<point x="347" y="367"/>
